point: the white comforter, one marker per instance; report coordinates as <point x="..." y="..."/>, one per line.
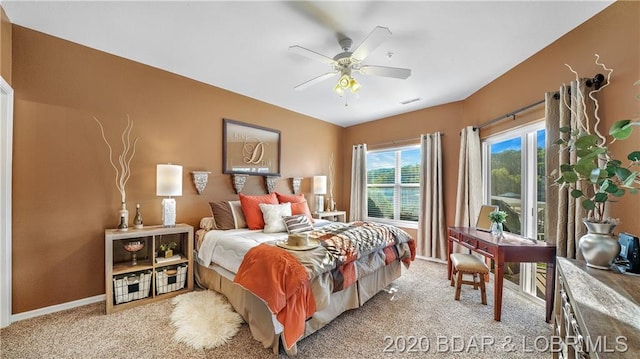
<point x="227" y="248"/>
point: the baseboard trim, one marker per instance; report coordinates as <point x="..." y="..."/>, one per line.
<point x="57" y="308"/>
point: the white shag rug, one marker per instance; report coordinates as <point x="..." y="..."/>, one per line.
<point x="204" y="319"/>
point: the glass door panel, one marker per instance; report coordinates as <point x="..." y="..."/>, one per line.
<point x="506" y="190"/>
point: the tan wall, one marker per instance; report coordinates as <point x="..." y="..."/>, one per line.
<point x="63" y="187"/>
<point x="5" y="46"/>
<point x="614" y="34"/>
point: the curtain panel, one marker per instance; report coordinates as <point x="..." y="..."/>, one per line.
<point x="358" y="206"/>
<point x="432" y="236"/>
<point x="469" y="194"/>
<point x="569" y="107"/>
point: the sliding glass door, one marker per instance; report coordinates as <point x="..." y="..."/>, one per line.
<point x="513" y="171"/>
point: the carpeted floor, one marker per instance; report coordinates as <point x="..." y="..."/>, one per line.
<point x="420" y="319"/>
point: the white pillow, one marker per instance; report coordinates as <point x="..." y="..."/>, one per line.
<point x="272" y="215"/>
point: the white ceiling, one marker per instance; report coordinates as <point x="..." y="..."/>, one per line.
<point x="453" y="48"/>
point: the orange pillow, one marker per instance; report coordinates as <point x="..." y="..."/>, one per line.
<point x="301" y="208"/>
<point x="251" y="208"/>
<point x="292" y="198"/>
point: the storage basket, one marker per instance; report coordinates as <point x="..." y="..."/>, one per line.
<point x="132" y="286"/>
<point x="166" y="283"/>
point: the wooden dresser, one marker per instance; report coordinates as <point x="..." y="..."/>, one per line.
<point x="597" y="312"/>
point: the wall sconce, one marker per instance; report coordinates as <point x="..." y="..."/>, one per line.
<point x="270" y="182"/>
<point x="169" y="183"/>
<point x="200" y="179"/>
<point x="295" y="184"/>
<point x="319" y="189"/>
<point x="238" y="182"/>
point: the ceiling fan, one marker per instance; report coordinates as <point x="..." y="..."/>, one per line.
<point x="348" y="62"/>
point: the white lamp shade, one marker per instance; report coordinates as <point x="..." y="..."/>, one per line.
<point x="319" y="184"/>
<point x="169" y="180"/>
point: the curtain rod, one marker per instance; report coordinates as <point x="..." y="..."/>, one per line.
<point x="400" y="141"/>
<point x="597" y="81"/>
<point x="510" y="114"/>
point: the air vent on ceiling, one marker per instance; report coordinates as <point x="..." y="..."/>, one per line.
<point x="406" y="102"/>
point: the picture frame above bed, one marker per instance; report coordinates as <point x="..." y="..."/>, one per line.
<point x="250" y="149"/>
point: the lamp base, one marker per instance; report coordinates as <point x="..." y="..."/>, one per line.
<point x="169" y="212"/>
<point x="319" y="203"/>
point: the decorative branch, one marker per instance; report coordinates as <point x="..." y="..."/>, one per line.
<point x="123" y="172"/>
<point x="603" y="139"/>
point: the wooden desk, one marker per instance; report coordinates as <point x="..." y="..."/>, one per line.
<point x="509" y="248"/>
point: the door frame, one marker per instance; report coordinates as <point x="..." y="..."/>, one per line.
<point x="6" y="157"/>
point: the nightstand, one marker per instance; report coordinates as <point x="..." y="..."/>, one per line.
<point x="338" y="216"/>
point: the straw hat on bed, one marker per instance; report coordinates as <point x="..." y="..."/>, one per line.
<point x="298" y="242"/>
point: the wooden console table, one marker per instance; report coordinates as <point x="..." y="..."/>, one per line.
<point x="509" y="248"/>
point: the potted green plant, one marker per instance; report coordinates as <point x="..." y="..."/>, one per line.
<point x="166" y="249"/>
<point x="596" y="179"/>
<point x="497" y="219"/>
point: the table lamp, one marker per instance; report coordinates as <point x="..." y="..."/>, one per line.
<point x="169" y="183"/>
<point x="319" y="189"/>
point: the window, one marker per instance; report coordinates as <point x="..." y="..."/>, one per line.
<point x="514" y="180"/>
<point x="393" y="184"/>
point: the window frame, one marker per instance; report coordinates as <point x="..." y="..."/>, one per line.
<point x="396" y="186"/>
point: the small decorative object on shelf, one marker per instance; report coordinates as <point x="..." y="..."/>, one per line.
<point x="124" y="218"/>
<point x="133" y="247"/>
<point x="137" y="220"/>
<point x="497" y="219"/>
<point x="167" y="248"/>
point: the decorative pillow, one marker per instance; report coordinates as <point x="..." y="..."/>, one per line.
<point x="238" y="217"/>
<point x="291" y="198"/>
<point x="207" y="223"/>
<point x="301" y="208"/>
<point x="222" y="215"/>
<point x="272" y="215"/>
<point x="252" y="211"/>
<point x="298" y="223"/>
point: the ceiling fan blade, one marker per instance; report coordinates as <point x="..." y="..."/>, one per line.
<point x="311" y="54"/>
<point x="315" y="80"/>
<point x="395" y="72"/>
<point x="371" y="42"/>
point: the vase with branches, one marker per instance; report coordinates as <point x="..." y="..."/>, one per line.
<point x="123" y="169"/>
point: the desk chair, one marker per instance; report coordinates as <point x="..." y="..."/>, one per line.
<point x="468" y="264"/>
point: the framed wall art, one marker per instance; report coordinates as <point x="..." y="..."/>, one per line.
<point x="250" y="149"/>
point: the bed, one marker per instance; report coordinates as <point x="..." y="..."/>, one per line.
<point x="285" y="295"/>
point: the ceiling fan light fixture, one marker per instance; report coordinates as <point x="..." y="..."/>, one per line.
<point x="354" y="85"/>
<point x="339" y="90"/>
<point x="344" y="81"/>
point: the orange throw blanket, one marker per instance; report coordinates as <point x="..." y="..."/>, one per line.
<point x="278" y="278"/>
